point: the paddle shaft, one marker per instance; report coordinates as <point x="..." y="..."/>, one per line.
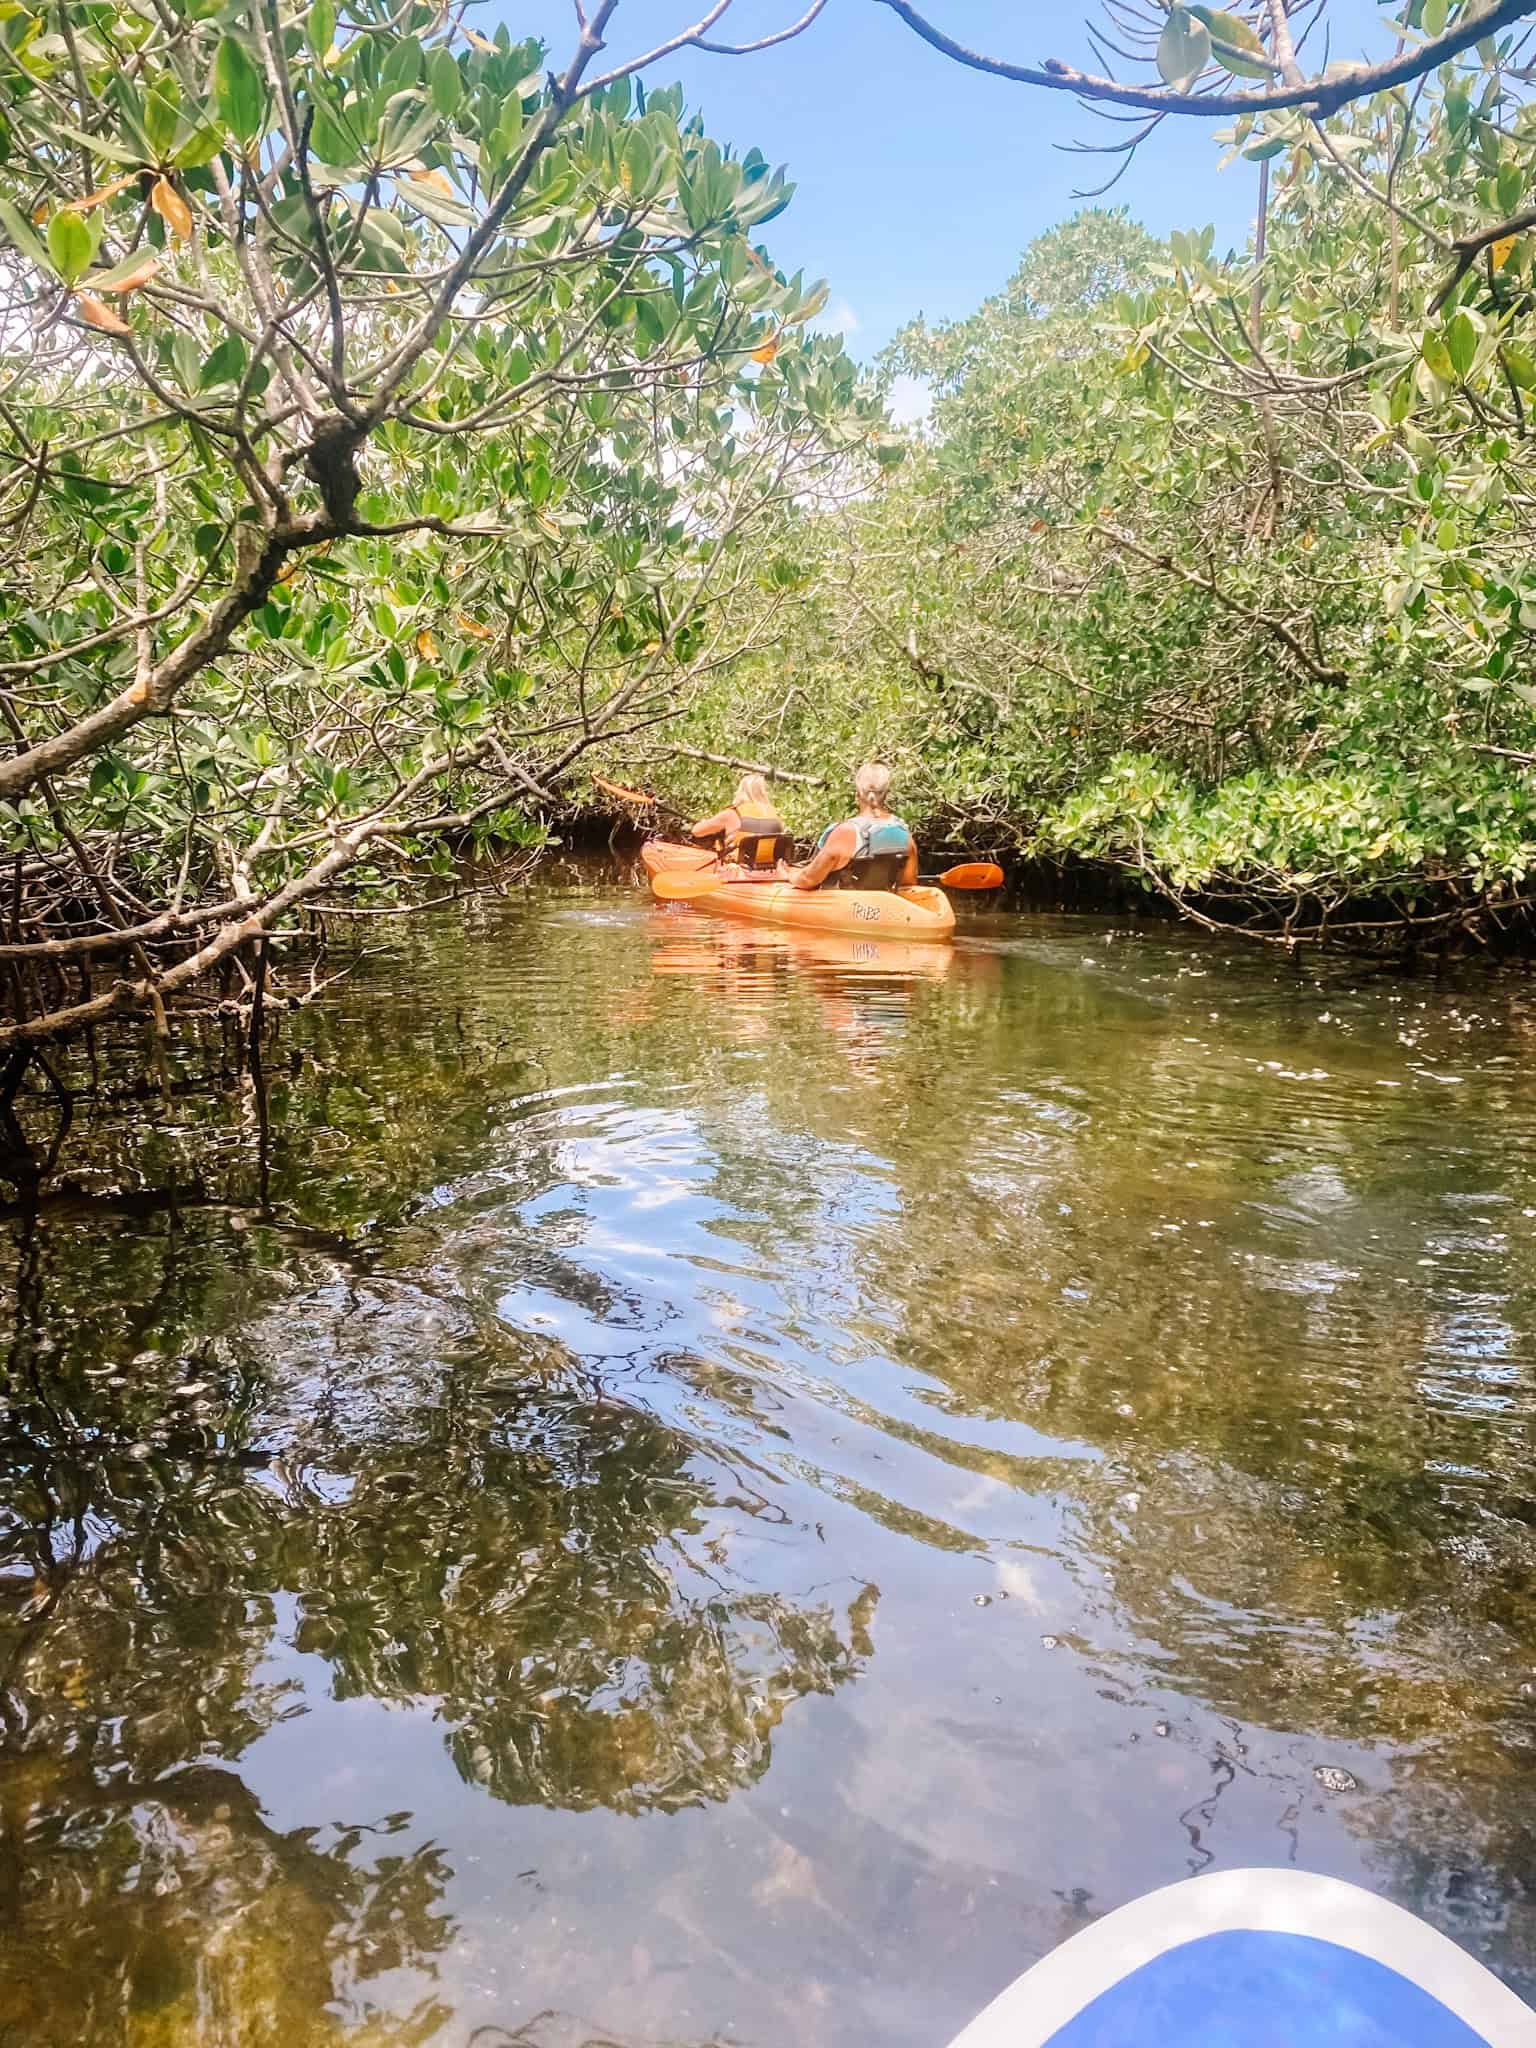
<point x="682" y="885"/>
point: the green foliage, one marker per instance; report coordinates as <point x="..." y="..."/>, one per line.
<point x="389" y="411"/>
<point x="1246" y="610"/>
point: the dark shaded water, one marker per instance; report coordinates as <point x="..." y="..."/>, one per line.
<point x="696" y="1488"/>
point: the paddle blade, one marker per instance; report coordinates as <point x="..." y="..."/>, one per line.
<point x="628" y="796"/>
<point x="973" y="874"/>
<point x="682" y="885"/>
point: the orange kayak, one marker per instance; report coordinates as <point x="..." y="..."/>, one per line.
<point x="921" y="913"/>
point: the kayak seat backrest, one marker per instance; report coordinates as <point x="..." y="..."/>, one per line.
<point x="876" y="871"/>
<point x="762" y="842"/>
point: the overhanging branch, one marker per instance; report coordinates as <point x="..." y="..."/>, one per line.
<point x="1339" y="87"/>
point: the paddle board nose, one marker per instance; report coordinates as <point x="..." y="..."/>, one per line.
<point x="1256" y="1959"/>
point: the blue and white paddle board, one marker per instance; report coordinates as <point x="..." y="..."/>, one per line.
<point x="1256" y="1959"/>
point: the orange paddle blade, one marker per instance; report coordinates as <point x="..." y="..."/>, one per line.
<point x="628" y="796"/>
<point x="973" y="874"/>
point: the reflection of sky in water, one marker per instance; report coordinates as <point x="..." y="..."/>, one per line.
<point x="811" y="1475"/>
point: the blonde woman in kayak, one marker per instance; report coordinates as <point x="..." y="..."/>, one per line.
<point x="748" y="829"/>
<point x="871" y="850"/>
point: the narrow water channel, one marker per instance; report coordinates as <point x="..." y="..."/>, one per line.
<point x="685" y="1486"/>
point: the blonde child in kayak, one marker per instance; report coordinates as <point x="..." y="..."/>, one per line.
<point x="749" y="827"/>
<point x="871" y="850"/>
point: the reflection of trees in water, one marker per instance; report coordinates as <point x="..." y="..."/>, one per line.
<point x="460" y="1515"/>
<point x="164" y="1907"/>
<point x="1308" y="1521"/>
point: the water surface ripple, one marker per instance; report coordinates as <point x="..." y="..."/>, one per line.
<point x="674" y="1484"/>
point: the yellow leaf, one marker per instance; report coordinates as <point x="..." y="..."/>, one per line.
<point x="767" y="352"/>
<point x="287" y="572"/>
<point x="422" y="176"/>
<point x="131" y="280"/>
<point x="473" y="627"/>
<point x="477" y="41"/>
<point x="1309" y="540"/>
<point x="100" y="198"/>
<point x="548" y="524"/>
<point x="39" y="213"/>
<point x="172" y="208"/>
<point x="1501" y="249"/>
<point x="426" y="646"/>
<point x="653" y="647"/>
<point x="95" y="314"/>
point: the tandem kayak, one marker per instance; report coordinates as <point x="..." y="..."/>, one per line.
<point x="920" y="914"/>
<point x="1256" y="1959"/>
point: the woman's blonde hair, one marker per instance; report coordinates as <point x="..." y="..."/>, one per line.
<point x="872" y="784"/>
<point x="752" y="798"/>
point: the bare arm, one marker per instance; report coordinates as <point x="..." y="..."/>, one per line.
<point x="835" y="853"/>
<point x="720" y="825"/>
<point x="909" y="865"/>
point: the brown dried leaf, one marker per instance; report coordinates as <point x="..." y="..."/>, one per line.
<point x="129" y="280"/>
<point x="95" y="313"/>
<point x="100" y="198"/>
<point x="172" y="209"/>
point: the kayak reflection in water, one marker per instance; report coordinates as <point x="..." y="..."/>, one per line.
<point x="749" y="829"/>
<point x="871" y="850"/>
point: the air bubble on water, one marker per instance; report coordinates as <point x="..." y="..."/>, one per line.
<point x="1334" y="1778"/>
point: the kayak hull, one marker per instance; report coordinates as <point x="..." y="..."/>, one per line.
<point x="921" y="915"/>
<point x="1266" y="1958"/>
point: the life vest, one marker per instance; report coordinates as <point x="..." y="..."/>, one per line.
<point x="879" y="857"/>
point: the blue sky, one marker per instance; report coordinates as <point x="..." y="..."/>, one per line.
<point x="919" y="182"/>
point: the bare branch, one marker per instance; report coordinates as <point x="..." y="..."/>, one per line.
<point x="1321" y="96"/>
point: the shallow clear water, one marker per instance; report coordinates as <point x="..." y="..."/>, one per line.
<point x="685" y="1486"/>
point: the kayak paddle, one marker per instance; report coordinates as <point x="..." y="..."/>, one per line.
<point x="686" y="885"/>
<point x="971" y="874"/>
<point x="641" y="797"/>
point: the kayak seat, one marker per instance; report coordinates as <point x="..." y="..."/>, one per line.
<point x="876" y="871"/>
<point x="764" y="847"/>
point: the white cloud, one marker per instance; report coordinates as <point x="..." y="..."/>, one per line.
<point x="911" y="401"/>
<point x="838" y="318"/>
